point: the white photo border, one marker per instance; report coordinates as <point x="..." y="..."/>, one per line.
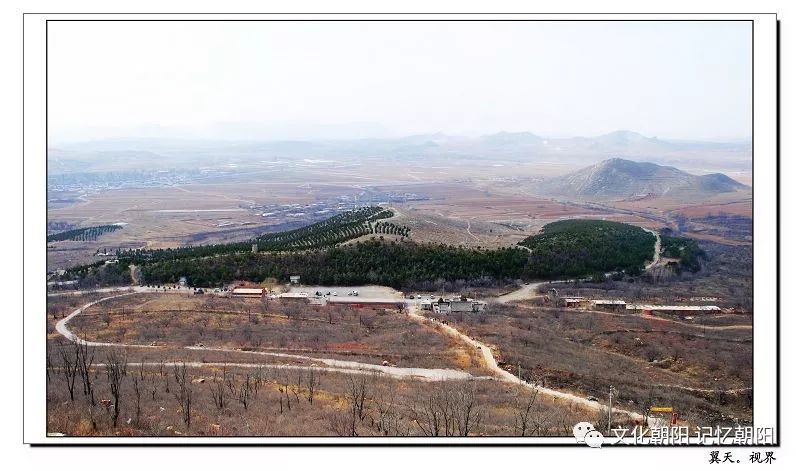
<point x="766" y="394"/>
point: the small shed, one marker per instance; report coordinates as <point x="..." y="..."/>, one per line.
<point x="609" y="304"/>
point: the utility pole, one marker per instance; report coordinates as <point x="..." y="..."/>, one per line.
<point x="610" y="393"/>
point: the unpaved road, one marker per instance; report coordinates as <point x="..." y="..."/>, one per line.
<point x="343" y="366"/>
<point x="426" y="374"/>
<point x="528" y="291"/>
<point x="657" y="248"/>
<point x="505" y="376"/>
<point x="653" y="318"/>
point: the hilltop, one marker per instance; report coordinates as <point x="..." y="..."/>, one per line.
<point x="580" y="247"/>
<point x="622" y="179"/>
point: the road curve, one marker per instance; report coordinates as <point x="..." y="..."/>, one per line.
<point x="343" y="366"/>
<point x="61" y="326"/>
<point x="505" y="376"/>
<point x="424" y="374"/>
<point x="530" y="291"/>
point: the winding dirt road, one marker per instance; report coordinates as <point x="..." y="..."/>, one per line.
<point x="343" y="366"/>
<point x="528" y="291"/>
<point x="353" y="367"/>
<point x="657" y="256"/>
<point x="505" y="376"/>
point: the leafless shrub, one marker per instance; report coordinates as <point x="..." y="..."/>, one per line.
<point x="389" y="419"/>
<point x="467" y="412"/>
<point x="524" y="412"/>
<point x="450" y="410"/>
<point x="218" y="388"/>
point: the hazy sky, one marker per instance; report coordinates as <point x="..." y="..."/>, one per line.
<point x="368" y="79"/>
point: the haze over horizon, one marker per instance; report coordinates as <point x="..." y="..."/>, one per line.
<point x="675" y="80"/>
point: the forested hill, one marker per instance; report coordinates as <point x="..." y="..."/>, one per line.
<point x="372" y="262"/>
<point x="579" y="247"/>
<point x="563" y="249"/>
<point x="324" y="234"/>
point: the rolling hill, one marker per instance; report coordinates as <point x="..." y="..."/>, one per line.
<point x="624" y="179"/>
<point x="578" y="247"/>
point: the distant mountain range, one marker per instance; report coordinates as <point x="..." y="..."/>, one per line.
<point x="625" y="179"/>
<point x="504" y="146"/>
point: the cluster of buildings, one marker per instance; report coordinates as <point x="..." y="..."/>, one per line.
<point x="452" y="305"/>
<point x="618" y="305"/>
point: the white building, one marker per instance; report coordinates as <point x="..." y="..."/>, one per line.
<point x="248" y="292"/>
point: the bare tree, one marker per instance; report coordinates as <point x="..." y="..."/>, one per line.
<point x="138" y="394"/>
<point x="283" y="389"/>
<point x="357" y="395"/>
<point x="297" y="387"/>
<point x="115" y="371"/>
<point x="245" y="391"/>
<point x="524" y="411"/>
<point x="218" y="388"/>
<point x="312" y="383"/>
<point x="389" y="419"/>
<point x="466" y="410"/>
<point x="428" y="415"/>
<point x="183" y="393"/>
<point x="70" y="370"/>
<point x="346" y="421"/>
<point x="340" y="423"/>
<point x="85" y="355"/>
<point x="452" y="409"/>
<point x="49" y="366"/>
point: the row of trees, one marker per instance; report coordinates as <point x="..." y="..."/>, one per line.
<point x="328" y="233"/>
<point x="391" y="229"/>
<point x="83" y="234"/>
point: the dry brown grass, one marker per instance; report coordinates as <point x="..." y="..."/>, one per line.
<point x="587" y="351"/>
<point x="280" y="406"/>
<point x="359" y="334"/>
